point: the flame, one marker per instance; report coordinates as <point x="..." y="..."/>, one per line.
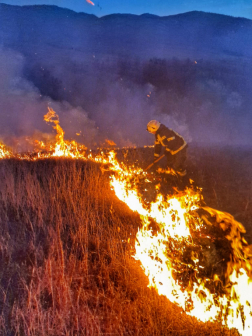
<point x="63" y="148"/>
<point x="161" y="254"/>
<point x="4" y="152"/>
<point x="110" y="142"/>
<point x="177" y="240"/>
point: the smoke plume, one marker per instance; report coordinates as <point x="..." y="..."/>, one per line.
<point x="23" y="107"/>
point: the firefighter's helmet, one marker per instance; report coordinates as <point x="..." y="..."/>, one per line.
<point x="153" y="126"/>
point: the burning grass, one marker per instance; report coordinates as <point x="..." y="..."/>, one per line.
<point x="66" y="258"/>
<point x="79" y="241"/>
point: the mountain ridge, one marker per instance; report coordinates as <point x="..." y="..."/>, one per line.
<point x="184" y="14"/>
<point x="192" y="34"/>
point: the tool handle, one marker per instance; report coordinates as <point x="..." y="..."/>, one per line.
<point x="161" y="157"/>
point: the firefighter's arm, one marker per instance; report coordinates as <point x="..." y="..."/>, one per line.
<point x="167" y="142"/>
<point x="163" y="140"/>
<point x="157" y="149"/>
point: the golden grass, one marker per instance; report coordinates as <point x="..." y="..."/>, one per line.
<point x="66" y="265"/>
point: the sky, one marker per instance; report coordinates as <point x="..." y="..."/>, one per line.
<point x="242" y="8"/>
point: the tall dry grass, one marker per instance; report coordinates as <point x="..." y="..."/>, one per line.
<point x="66" y="265"/>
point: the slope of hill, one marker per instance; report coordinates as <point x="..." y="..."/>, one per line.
<point x="66" y="258"/>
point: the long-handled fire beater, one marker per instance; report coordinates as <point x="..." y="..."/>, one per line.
<point x="161" y="157"/>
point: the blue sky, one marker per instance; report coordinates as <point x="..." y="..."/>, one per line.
<point x="241" y="8"/>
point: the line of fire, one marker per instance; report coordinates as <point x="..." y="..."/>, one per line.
<point x="192" y="254"/>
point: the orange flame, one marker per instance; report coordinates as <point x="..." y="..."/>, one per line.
<point x="4" y="152"/>
<point x="177" y="220"/>
<point x="110" y="142"/>
<point x="63" y="148"/>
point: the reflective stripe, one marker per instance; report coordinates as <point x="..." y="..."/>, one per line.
<point x="157" y="155"/>
<point x="169" y="139"/>
<point x="175" y="152"/>
<point x="160" y="139"/>
<point x="183" y="146"/>
<point x="179" y="136"/>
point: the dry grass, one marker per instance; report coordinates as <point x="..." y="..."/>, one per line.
<point x="66" y="265"/>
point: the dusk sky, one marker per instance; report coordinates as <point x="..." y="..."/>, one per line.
<point x="242" y="8"/>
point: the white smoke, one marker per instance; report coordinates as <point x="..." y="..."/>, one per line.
<point x="22" y="108"/>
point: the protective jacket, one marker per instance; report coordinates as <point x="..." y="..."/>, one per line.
<point x="169" y="139"/>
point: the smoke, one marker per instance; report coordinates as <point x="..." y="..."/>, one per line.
<point x="124" y="113"/>
<point x="119" y="113"/>
<point x="23" y="107"/>
<point x="207" y="102"/>
<point x="119" y="107"/>
<point x="99" y="100"/>
<point x="106" y="78"/>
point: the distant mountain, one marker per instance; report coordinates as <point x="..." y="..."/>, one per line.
<point x="41" y="30"/>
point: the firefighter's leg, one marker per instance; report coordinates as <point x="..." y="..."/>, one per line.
<point x="168" y="176"/>
<point x="179" y="162"/>
<point x="170" y="163"/>
<point x="180" y="167"/>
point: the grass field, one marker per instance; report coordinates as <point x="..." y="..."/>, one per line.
<point x="66" y="247"/>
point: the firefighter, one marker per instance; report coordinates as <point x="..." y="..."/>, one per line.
<point x="174" y="145"/>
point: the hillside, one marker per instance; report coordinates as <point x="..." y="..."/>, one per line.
<point x="83" y="250"/>
<point x="66" y="256"/>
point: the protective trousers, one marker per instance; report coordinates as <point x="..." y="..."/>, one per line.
<point x="177" y="161"/>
